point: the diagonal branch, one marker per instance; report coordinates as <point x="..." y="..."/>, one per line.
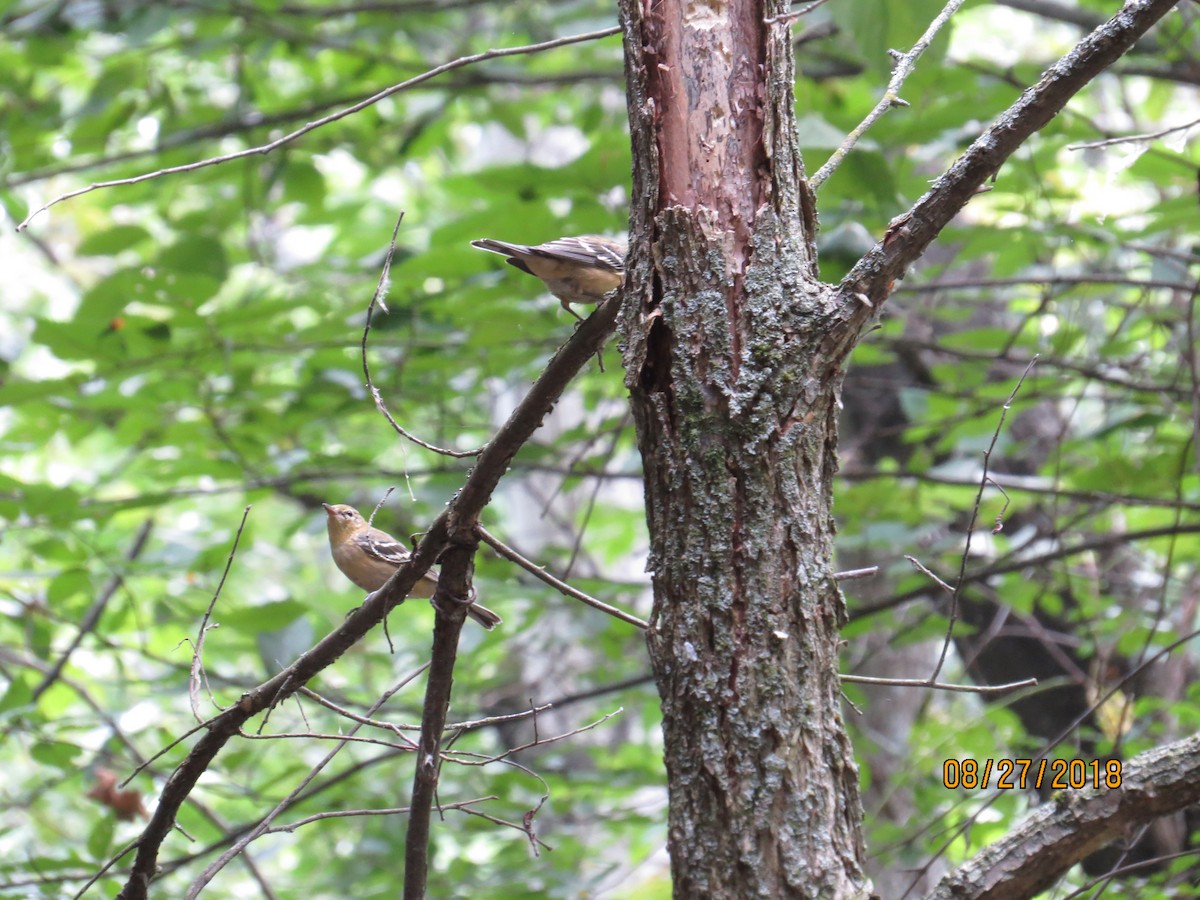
<point x="905" y="64"/>
<point x="458" y="524"/>
<point x="909" y="234"/>
<point x="459" y="63"/>
<point x="92" y="617"/>
<point x="455" y="524"/>
<point x="561" y="586"/>
<point x="1058" y="834"/>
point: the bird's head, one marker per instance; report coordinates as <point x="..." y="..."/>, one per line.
<point x="342" y="520"/>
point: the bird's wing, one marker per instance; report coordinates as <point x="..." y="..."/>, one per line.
<point x="384" y="549"/>
<point x="583" y="251"/>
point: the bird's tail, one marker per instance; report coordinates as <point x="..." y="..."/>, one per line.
<point x="500" y="247"/>
<point x="483" y="616"/>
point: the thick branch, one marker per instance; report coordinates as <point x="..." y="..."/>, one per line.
<point x="1058" y="834"/>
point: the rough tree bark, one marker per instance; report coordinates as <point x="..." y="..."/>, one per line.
<point x="733" y="351"/>
<point x="734" y="386"/>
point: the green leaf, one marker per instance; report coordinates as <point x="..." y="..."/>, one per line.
<point x="198" y="256"/>
<point x="67" y="585"/>
<point x="18" y="694"/>
<point x="113" y="240"/>
<point x="100" y="836"/>
<point x="59" y="754"/>
<point x="262" y="617"/>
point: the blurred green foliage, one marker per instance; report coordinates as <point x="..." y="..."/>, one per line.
<point x="178" y="349"/>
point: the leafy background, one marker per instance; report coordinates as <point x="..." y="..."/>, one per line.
<point x="177" y="350"/>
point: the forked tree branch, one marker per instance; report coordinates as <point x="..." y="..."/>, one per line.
<point x="910" y="234"/>
<point x="454" y="528"/>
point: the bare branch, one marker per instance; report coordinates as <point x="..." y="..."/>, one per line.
<point x="1116" y="278"/>
<point x="377" y="301"/>
<point x="941" y="685"/>
<point x="966" y="553"/>
<point x="905" y="63"/>
<point x="348" y="813"/>
<point x="459" y="63"/>
<point x="909" y="234"/>
<point x="795" y="15"/>
<point x="198" y="651"/>
<point x="1134" y="138"/>
<point x="460" y="516"/>
<point x="855" y="574"/>
<point x="1056" y="835"/>
<point x="538" y="741"/>
<point x="924" y="570"/>
<point x="561" y="586"/>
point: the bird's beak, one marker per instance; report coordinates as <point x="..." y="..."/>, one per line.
<point x="328" y="509"/>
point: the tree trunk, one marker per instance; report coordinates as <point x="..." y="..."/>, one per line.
<point x="734" y="376"/>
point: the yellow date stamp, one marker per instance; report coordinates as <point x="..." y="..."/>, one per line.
<point x="1030" y="774"/>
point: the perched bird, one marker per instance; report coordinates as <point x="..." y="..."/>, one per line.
<point x="369" y="556"/>
<point x="575" y="269"/>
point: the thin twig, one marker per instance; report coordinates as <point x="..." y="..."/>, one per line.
<point x="406" y="746"/>
<point x="1113" y="278"/>
<point x="789" y="17"/>
<point x="917" y="564"/>
<point x="197" y="670"/>
<point x="855" y="574"/>
<point x="1134" y="138"/>
<point x="397" y="728"/>
<point x="537" y="741"/>
<point x="99" y="873"/>
<point x="1113" y="874"/>
<point x="377" y="301"/>
<point x="459" y="63"/>
<point x="195" y="729"/>
<point x="905" y="62"/>
<point x="346" y="813"/>
<point x="561" y="586"/>
<point x="941" y="685"/>
<point x="966" y="554"/>
<point x="497" y="821"/>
